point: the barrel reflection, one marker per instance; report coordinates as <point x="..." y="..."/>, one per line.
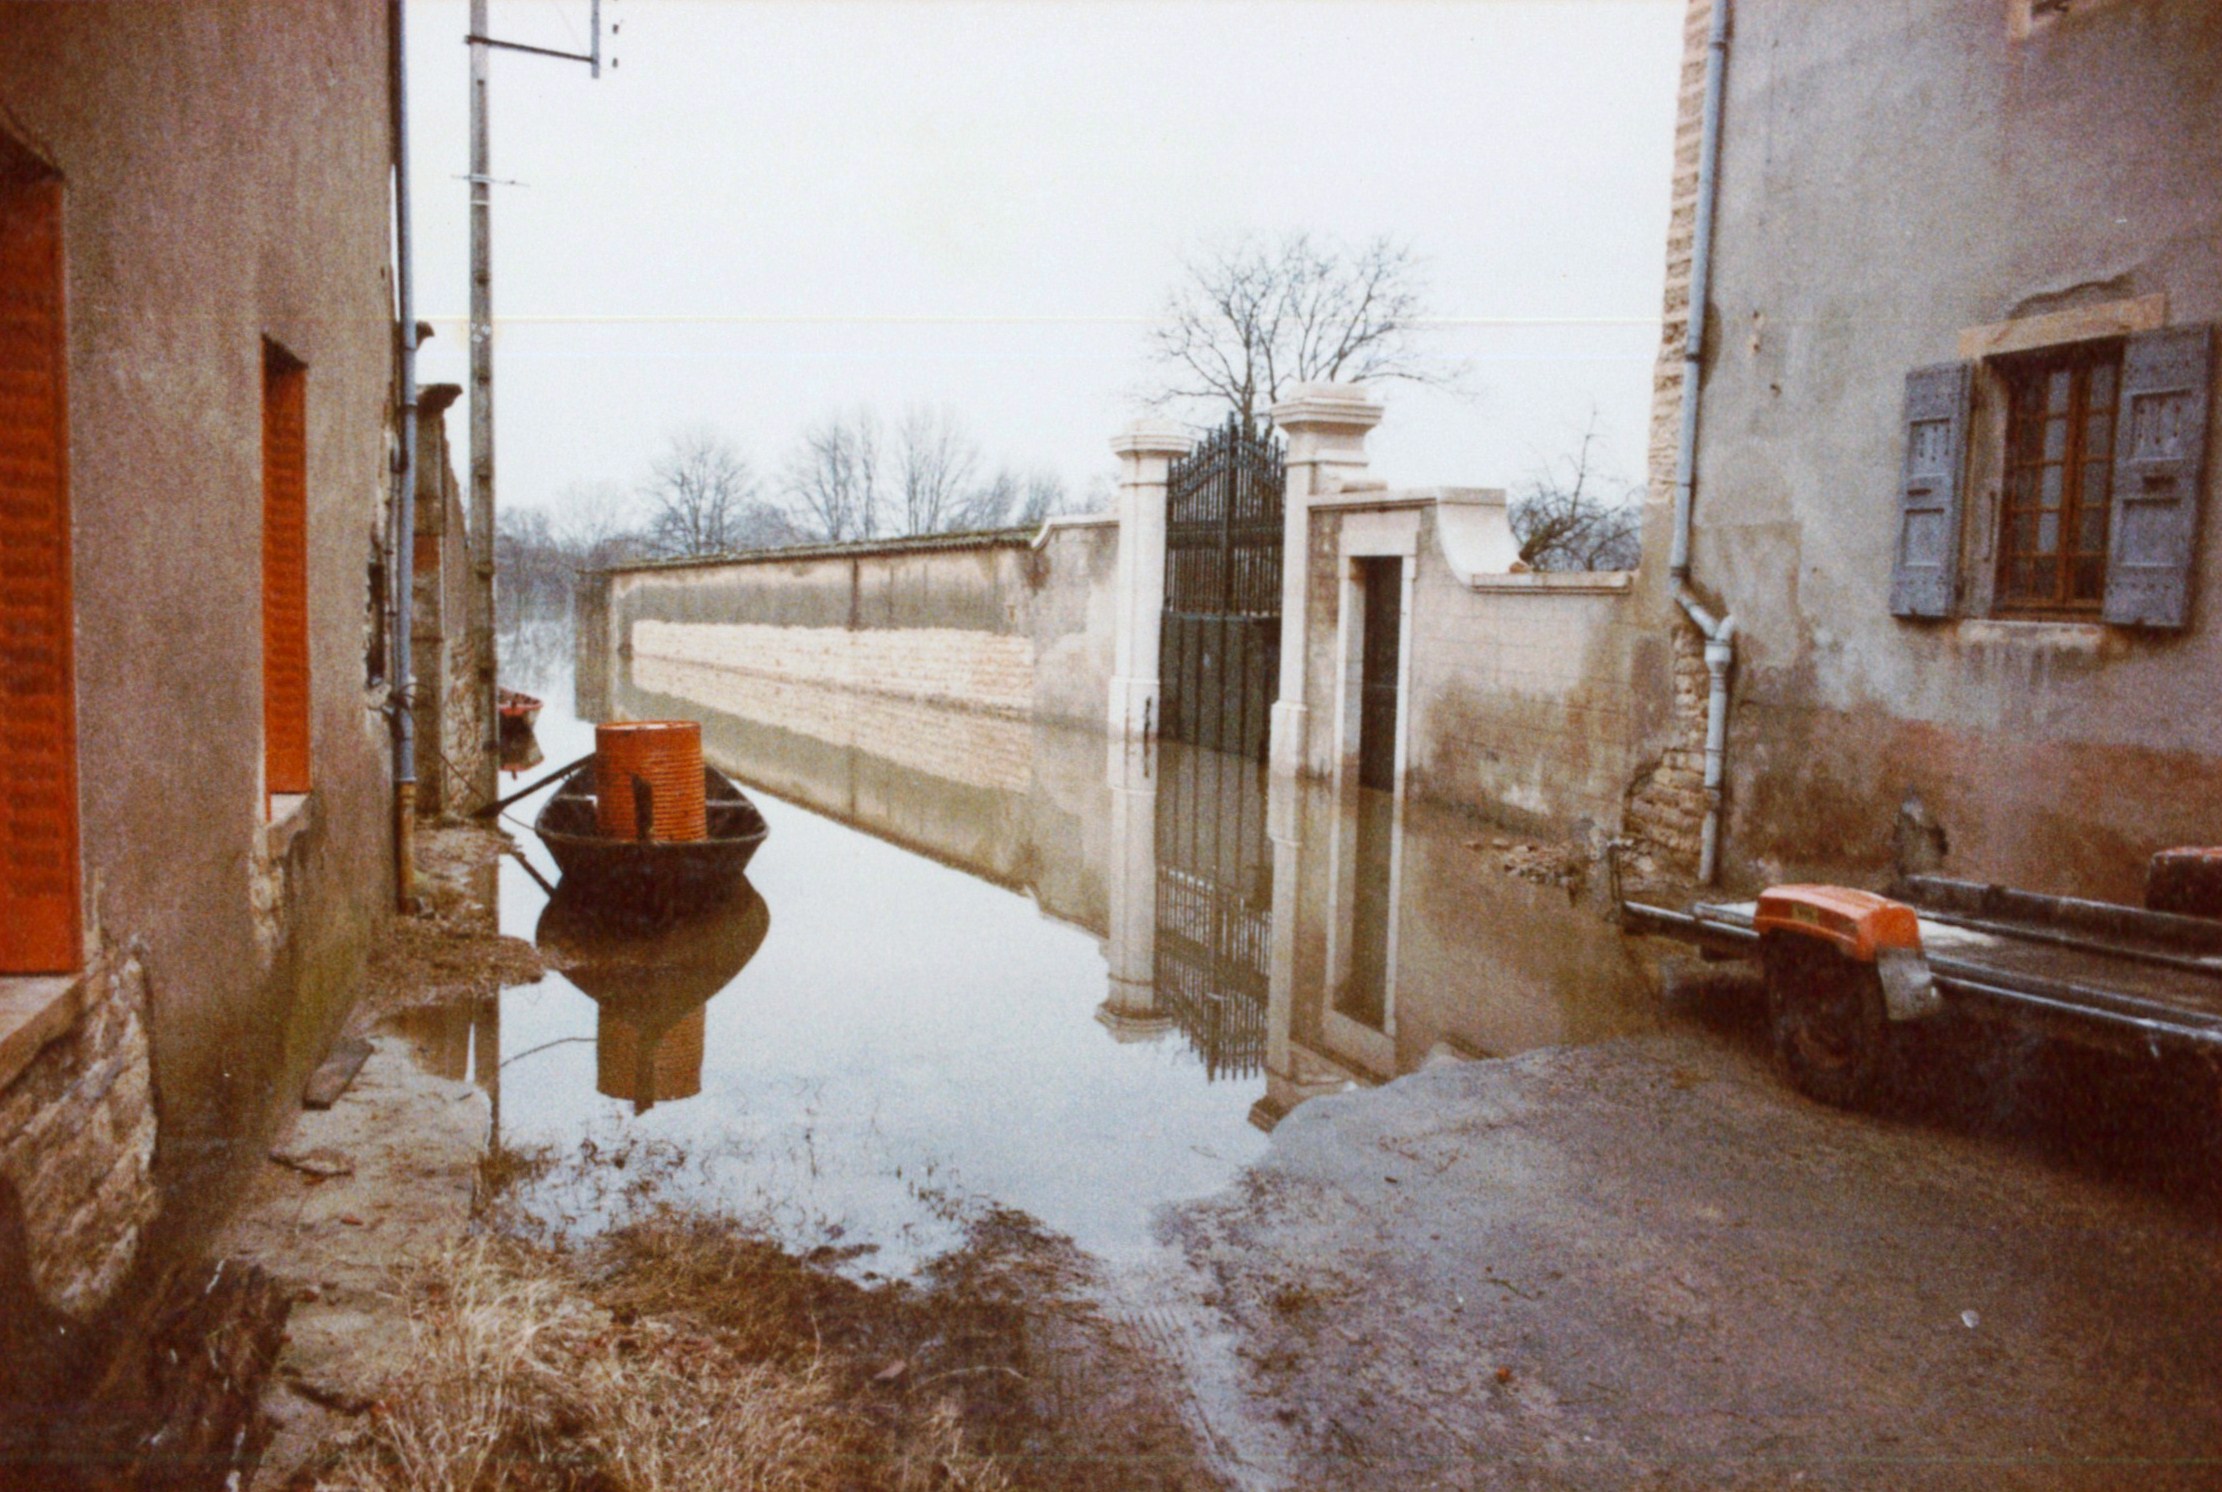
<point x="652" y="979"/>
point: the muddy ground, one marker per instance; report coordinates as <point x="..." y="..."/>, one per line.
<point x="1648" y="1264"/>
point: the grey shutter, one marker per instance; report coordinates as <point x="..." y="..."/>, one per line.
<point x="2160" y="442"/>
<point x="1924" y="578"/>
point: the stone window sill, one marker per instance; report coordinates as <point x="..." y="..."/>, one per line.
<point x="290" y="813"/>
<point x="1556" y="583"/>
<point x="34" y="1010"/>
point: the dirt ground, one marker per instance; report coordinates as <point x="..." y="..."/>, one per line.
<point x="1648" y="1263"/>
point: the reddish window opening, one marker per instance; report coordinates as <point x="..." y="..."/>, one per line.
<point x="2059" y="479"/>
<point x="40" y="929"/>
<point x="285" y="573"/>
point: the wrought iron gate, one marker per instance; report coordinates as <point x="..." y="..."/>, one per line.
<point x="1219" y="663"/>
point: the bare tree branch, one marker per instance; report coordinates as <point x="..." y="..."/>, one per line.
<point x="1247" y="321"/>
<point x="831" y="484"/>
<point x="935" y="462"/>
<point x="702" y="499"/>
<point x="1574" y="515"/>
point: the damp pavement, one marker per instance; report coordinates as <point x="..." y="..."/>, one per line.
<point x="1395" y="1154"/>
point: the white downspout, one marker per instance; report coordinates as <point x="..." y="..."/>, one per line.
<point x="1720" y="633"/>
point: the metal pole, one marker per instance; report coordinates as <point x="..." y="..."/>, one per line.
<point x="401" y="577"/>
<point x="482" y="381"/>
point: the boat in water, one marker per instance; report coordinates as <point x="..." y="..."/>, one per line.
<point x="656" y="875"/>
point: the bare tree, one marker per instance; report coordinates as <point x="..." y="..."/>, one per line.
<point x="831" y="485"/>
<point x="1248" y="320"/>
<point x="1573" y="515"/>
<point x="1020" y="499"/>
<point x="595" y="525"/>
<point x="935" y="462"/>
<point x="701" y="497"/>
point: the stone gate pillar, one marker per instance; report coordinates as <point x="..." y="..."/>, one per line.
<point x="1145" y="449"/>
<point x="1326" y="425"/>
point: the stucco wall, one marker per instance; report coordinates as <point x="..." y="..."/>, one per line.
<point x="1012" y="623"/>
<point x="1520" y="705"/>
<point x="1890" y="176"/>
<point x="225" y="171"/>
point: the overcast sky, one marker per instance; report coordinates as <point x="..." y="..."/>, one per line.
<point x="770" y="209"/>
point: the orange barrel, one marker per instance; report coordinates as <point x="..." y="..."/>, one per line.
<point x="667" y="755"/>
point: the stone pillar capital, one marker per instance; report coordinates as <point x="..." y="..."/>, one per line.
<point x="1327" y="422"/>
<point x="1145" y="438"/>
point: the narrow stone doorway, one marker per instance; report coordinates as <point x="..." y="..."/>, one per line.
<point x="1381" y="582"/>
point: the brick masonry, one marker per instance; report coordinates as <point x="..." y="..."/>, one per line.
<point x="77" y="1130"/>
<point x="1665" y="811"/>
<point x="985" y="671"/>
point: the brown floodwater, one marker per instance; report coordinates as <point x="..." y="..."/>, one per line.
<point x="983" y="962"/>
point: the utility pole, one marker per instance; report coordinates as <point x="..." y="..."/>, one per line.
<point x="482" y="342"/>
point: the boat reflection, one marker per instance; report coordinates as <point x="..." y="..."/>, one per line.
<point x="652" y="980"/>
<point x="520" y="751"/>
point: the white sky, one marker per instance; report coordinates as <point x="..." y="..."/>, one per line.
<point x="769" y="209"/>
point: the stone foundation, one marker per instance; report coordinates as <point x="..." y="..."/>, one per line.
<point x="77" y="1131"/>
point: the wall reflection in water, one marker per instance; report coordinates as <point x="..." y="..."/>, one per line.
<point x="1315" y="934"/>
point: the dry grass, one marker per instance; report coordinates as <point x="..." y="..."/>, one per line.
<point x="531" y="1376"/>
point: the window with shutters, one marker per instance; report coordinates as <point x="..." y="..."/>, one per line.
<point x="2054" y="506"/>
<point x="39" y="875"/>
<point x="2099" y="450"/>
<point x="285" y="564"/>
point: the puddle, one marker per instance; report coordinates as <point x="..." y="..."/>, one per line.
<point x="986" y="963"/>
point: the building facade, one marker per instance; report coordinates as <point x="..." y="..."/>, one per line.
<point x="1952" y="477"/>
<point x="196" y="428"/>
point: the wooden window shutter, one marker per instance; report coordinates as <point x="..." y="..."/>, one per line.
<point x="285" y="574"/>
<point x="2159" y="450"/>
<point x="1924" y="579"/>
<point x="39" y="897"/>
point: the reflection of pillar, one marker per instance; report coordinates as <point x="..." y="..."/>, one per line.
<point x="1326" y="424"/>
<point x="1284" y="823"/>
<point x="1145" y="449"/>
<point x="1130" y="1009"/>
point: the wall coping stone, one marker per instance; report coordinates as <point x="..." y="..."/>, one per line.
<point x="1056" y="521"/>
<point x="986" y="538"/>
<point x="34" y="1010"/>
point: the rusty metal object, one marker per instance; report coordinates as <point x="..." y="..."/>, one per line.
<point x="666" y="755"/>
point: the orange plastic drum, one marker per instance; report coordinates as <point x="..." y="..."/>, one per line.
<point x="665" y="754"/>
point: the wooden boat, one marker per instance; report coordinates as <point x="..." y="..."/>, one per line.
<point x="519" y="711"/>
<point x="658" y="875"/>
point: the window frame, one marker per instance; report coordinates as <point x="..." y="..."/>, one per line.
<point x="2017" y="375"/>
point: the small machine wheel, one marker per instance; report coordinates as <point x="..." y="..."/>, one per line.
<point x="1830" y="1032"/>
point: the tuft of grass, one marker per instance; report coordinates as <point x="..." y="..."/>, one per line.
<point x="531" y="1377"/>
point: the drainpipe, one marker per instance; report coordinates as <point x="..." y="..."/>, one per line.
<point x="1719" y="632"/>
<point x="401" y="698"/>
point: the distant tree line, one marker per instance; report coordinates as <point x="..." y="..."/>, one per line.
<point x="848" y="476"/>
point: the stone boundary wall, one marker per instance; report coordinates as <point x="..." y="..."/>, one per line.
<point x="1013" y="622"/>
<point x="985" y="671"/>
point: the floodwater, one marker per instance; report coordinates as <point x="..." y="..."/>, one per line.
<point x="988" y="963"/>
